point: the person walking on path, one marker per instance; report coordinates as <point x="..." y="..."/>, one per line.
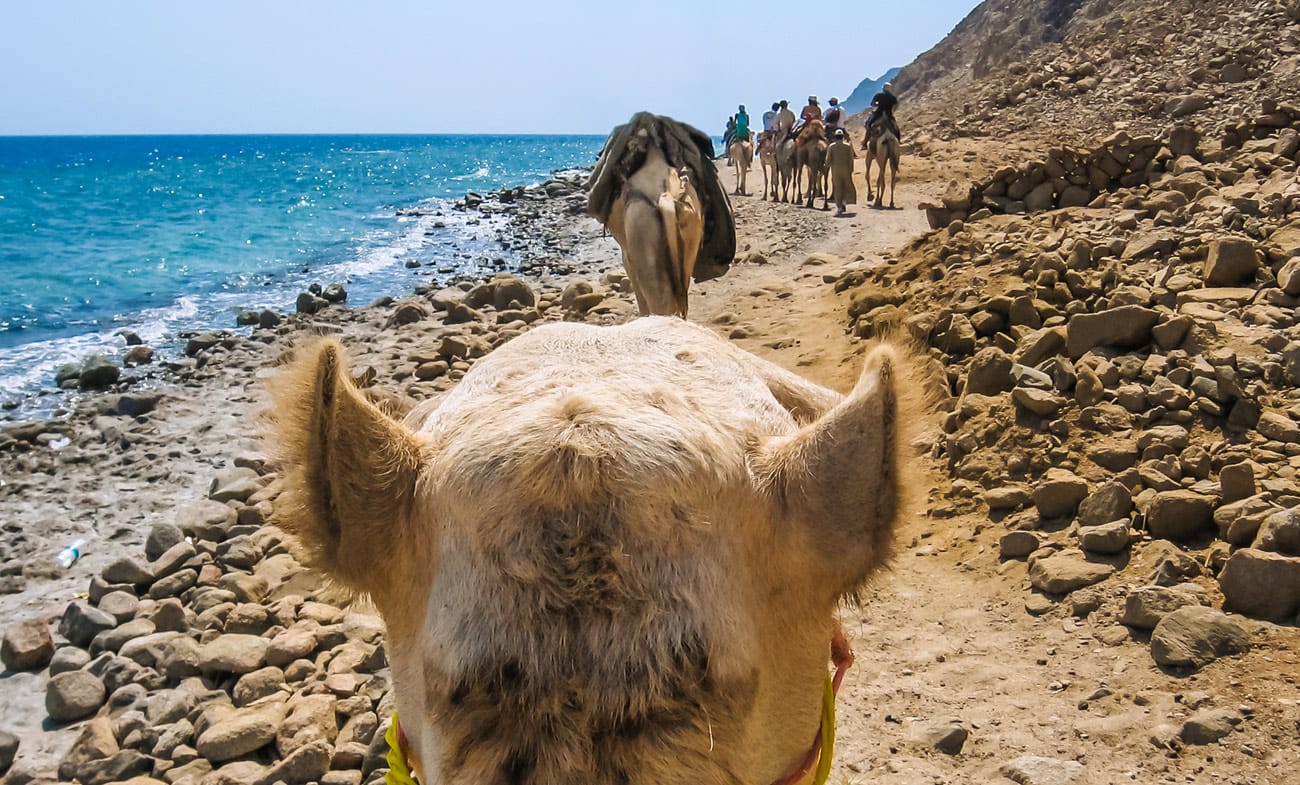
<point x="839" y="162"/>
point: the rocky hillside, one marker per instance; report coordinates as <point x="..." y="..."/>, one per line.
<point x="1079" y="70"/>
<point x="1126" y="382"/>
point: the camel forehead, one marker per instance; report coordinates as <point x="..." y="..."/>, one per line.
<point x="654" y="363"/>
<point x="648" y="401"/>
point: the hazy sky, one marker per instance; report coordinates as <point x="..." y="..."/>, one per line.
<point x="233" y="66"/>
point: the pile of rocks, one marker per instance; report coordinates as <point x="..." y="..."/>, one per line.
<point x="215" y="658"/>
<point x="1077" y="177"/>
<point x="1125" y="385"/>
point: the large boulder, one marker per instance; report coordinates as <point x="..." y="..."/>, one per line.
<point x="1066" y="571"/>
<point x="1180" y="515"/>
<point x="1262" y="585"/>
<point x="1195" y="636"/>
<point x="1232" y="261"/>
<point x="1111" y="501"/>
<point x="1128" y="327"/>
<point x="1280" y="532"/>
<point x="1147" y="605"/>
<point x="990" y="372"/>
<point x="1059" y="493"/>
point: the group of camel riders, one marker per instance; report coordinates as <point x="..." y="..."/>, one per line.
<point x="780" y="120"/>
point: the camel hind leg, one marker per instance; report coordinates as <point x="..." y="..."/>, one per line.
<point x="893" y="178"/>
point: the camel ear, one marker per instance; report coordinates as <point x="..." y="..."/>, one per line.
<point x="349" y="470"/>
<point x="840" y="479"/>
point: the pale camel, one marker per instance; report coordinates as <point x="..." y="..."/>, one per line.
<point x="767" y="147"/>
<point x="812" y="159"/>
<point x="887" y="152"/>
<point x="742" y="157"/>
<point x="610" y="554"/>
<point x="787" y="161"/>
<point x="658" y="223"/>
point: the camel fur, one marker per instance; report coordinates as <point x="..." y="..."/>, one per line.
<point x="611" y="554"/>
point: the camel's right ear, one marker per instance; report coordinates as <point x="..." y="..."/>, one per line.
<point x="844" y="478"/>
<point x="349" y="470"/>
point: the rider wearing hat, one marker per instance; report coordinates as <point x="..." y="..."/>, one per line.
<point x="812" y="111"/>
<point x="834" y="116"/>
<point x="882" y="109"/>
<point x="784" y="120"/>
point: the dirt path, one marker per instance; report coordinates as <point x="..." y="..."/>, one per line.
<point x="944" y="637"/>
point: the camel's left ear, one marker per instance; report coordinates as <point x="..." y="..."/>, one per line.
<point x="842" y="478"/>
<point x="349" y="470"/>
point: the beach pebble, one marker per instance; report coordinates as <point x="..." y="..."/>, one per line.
<point x="8" y="751"/>
<point x="80" y="623"/>
<point x="122" y="605"/>
<point x="138" y="355"/>
<point x="126" y="570"/>
<point x="1261" y="584"/>
<point x="238" y="732"/>
<point x="308" y="303"/>
<point x="68" y="658"/>
<point x="1179" y="515"/>
<point x="407" y="312"/>
<point x="161" y="537"/>
<point x="1059" y="493"/>
<point x="74" y="695"/>
<point x="136" y="404"/>
<point x="267" y="319"/>
<point x="234" y="484"/>
<point x="27" y="645"/>
<point x="95" y="742"/>
<point x="97" y="373"/>
<point x="334" y="293"/>
<point x="307" y="763"/>
<point x="201" y="343"/>
<point x="233" y="654"/>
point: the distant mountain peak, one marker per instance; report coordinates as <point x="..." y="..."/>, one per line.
<point x="860" y="99"/>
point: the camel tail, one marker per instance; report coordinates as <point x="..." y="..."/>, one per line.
<point x="677" y="272"/>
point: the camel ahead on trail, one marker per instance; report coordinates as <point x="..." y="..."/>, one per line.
<point x="811" y="145"/>
<point x="787" y="162"/>
<point x="657" y="190"/>
<point x="767" y="159"/>
<point x="741" y="153"/>
<point x="886" y="152"/>
<point x="610" y="554"/>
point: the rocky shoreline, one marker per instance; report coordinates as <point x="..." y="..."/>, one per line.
<point x="166" y="457"/>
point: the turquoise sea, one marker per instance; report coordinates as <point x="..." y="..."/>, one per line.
<point x="163" y="234"/>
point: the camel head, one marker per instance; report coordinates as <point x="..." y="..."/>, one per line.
<point x="611" y="554"/>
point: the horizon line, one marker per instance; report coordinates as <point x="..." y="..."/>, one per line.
<point x="4" y="135"/>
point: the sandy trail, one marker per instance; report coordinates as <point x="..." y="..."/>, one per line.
<point x="944" y="635"/>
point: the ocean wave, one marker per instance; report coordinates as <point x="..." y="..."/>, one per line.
<point x="477" y="174"/>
